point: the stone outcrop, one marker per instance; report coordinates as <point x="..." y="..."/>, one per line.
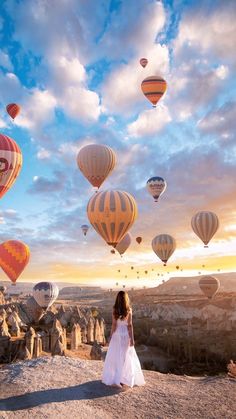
<point x="96" y="351"/>
<point x="75" y="337"/>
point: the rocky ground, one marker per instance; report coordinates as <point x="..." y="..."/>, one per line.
<point x="63" y="387"/>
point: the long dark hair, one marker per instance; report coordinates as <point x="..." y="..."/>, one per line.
<point x="122" y="305"/>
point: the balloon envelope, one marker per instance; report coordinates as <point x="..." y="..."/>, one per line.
<point x="10" y="163"/>
<point x="112" y="213"/>
<point x="84" y="228"/>
<point x="14" y="256"/>
<point x="123" y="245"/>
<point x="153" y="88"/>
<point x="209" y="285"/>
<point x="96" y="162"/>
<point x="156" y="186"/>
<point x="164" y="245"/>
<point x="143" y="62"/>
<point x="45" y="293"/>
<point x="13" y="109"/>
<point x="205" y="224"/>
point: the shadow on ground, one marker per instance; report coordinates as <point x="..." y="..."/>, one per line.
<point x="85" y="391"/>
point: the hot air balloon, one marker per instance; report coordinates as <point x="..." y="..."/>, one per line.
<point x="164" y="245"/>
<point x="123" y="245"/>
<point x="177" y="267"/>
<point x="138" y="239"/>
<point x="153" y="88"/>
<point x="209" y="285"/>
<point x="45" y="293"/>
<point x="112" y="213"/>
<point x="205" y="224"/>
<point x="123" y="286"/>
<point x="13" y="110"/>
<point x="118" y="270"/>
<point x="96" y="162"/>
<point x="85" y="228"/>
<point x="146" y="272"/>
<point x="143" y="62"/>
<point x="10" y="163"/>
<point x="132" y="267"/>
<point x="117" y="283"/>
<point x="14" y="256"/>
<point x="156" y="186"/>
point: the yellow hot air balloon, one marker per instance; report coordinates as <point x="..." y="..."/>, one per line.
<point x="209" y="285"/>
<point x="205" y="224"/>
<point x="164" y="245"/>
<point x="123" y="245"/>
<point x="153" y="88"/>
<point x="96" y="162"/>
<point x="112" y="213"/>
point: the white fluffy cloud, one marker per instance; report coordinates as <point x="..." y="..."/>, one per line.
<point x="38" y="109"/>
<point x="149" y="122"/>
<point x="211" y="32"/>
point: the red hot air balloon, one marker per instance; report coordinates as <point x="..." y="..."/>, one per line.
<point x="153" y="88"/>
<point x="143" y="62"/>
<point x="14" y="256"/>
<point x="10" y="163"/>
<point x="13" y="110"/>
<point x="138" y="240"/>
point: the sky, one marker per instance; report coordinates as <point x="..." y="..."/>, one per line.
<point x="73" y="66"/>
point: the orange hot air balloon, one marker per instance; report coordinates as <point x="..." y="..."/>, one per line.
<point x="138" y="240"/>
<point x="13" y="110"/>
<point x="143" y="62"/>
<point x="14" y="256"/>
<point x="112" y="213"/>
<point x="153" y="88"/>
<point x="96" y="162"/>
<point x="10" y="163"/>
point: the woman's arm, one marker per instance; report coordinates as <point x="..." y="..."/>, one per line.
<point x="113" y="327"/>
<point x="130" y="329"/>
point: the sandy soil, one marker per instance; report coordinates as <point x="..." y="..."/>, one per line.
<point x="63" y="387"/>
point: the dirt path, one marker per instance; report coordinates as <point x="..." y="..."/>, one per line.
<point x="61" y="387"/>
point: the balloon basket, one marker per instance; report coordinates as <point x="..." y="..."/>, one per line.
<point x="206" y="246"/>
<point x="13" y="284"/>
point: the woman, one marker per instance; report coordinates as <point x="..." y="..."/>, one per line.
<point x="122" y="365"/>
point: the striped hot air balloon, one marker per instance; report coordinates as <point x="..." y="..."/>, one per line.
<point x="143" y="62"/>
<point x="156" y="186"/>
<point x="13" y="110"/>
<point x="96" y="162"/>
<point x="205" y="224"/>
<point x="10" y="163"/>
<point x="112" y="213"/>
<point x="153" y="88"/>
<point x="123" y="245"/>
<point x="45" y="293"/>
<point x="209" y="285"/>
<point x="14" y="256"/>
<point x="164" y="245"/>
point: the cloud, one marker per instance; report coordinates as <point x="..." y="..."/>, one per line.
<point x="43" y="185"/>
<point x="43" y="154"/>
<point x="38" y="109"/>
<point x="5" y="61"/>
<point x="149" y="122"/>
<point x="220" y="122"/>
<point x="217" y="31"/>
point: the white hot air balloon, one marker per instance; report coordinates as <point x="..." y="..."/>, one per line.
<point x="123" y="245"/>
<point x="156" y="186"/>
<point x="45" y="293"/>
<point x="205" y="224"/>
<point x="164" y="245"/>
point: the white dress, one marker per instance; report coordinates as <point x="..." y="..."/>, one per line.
<point x="122" y="364"/>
